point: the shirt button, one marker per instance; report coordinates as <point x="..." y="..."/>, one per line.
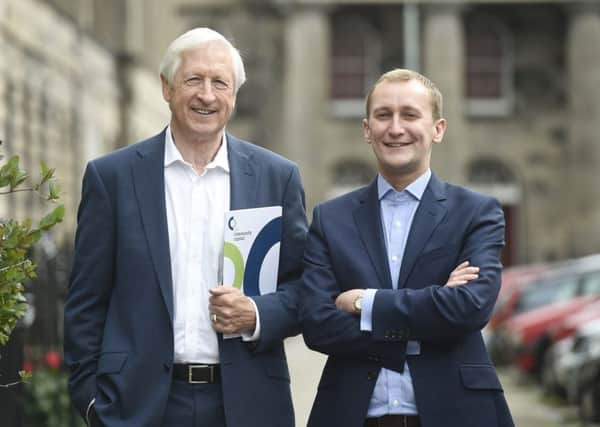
<point x="394" y="258"/>
<point x="397" y="224"/>
<point x="395" y="402"/>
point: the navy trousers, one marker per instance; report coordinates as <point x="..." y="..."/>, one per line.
<point x="194" y="405"/>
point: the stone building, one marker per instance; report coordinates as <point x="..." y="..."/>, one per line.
<point x="521" y="81"/>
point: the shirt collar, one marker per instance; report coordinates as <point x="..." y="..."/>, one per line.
<point x="173" y="155"/>
<point x="415" y="188"/>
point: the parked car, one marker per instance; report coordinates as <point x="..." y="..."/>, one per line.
<point x="555" y="368"/>
<point x="543" y="305"/>
<point x="514" y="281"/>
<point x="571" y="353"/>
<point x="588" y="385"/>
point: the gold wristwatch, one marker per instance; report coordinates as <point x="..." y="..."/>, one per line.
<point x="357" y="304"/>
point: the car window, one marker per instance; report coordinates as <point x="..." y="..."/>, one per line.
<point x="547" y="292"/>
<point x="590" y="284"/>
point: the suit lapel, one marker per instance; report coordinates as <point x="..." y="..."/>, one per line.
<point x="243" y="175"/>
<point x="368" y="222"/>
<point x="149" y="182"/>
<point x="430" y="212"/>
<point x="243" y="189"/>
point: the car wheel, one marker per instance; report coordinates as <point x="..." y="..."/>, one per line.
<point x="589" y="403"/>
<point x="548" y="377"/>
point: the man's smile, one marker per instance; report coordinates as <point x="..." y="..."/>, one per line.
<point x="396" y="144"/>
<point x="203" y="111"/>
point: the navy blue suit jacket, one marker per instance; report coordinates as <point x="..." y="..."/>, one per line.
<point x="454" y="381"/>
<point x="119" y="311"/>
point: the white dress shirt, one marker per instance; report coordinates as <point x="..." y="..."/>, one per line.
<point x="196" y="205"/>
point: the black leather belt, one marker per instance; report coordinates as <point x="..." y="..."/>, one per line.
<point x="394" y="421"/>
<point x="193" y="373"/>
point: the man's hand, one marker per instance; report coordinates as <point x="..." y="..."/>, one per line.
<point x="231" y="311"/>
<point x="345" y="300"/>
<point x="462" y="274"/>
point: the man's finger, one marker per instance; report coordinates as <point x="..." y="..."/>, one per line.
<point x="223" y="290"/>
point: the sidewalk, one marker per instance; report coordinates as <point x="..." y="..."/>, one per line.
<point x="529" y="406"/>
<point x="526" y="401"/>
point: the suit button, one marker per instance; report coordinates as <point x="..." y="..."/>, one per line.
<point x="371" y="375"/>
<point x="167" y="367"/>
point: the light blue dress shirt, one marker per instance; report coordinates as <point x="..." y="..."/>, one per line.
<point x="394" y="392"/>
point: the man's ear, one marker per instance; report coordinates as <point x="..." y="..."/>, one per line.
<point x="439" y="130"/>
<point x="166" y="88"/>
<point x="366" y="130"/>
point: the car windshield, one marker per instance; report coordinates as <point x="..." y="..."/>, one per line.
<point x="591" y="284"/>
<point x="547" y="292"/>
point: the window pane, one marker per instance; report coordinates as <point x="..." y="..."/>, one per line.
<point x="485" y="58"/>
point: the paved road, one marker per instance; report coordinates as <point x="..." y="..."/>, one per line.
<point x="527" y="403"/>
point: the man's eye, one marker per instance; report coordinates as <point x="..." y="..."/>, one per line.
<point x="193" y="81"/>
<point x="221" y="84"/>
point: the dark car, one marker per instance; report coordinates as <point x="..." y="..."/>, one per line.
<point x="556" y="367"/>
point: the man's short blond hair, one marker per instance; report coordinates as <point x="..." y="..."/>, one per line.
<point x="404" y="75"/>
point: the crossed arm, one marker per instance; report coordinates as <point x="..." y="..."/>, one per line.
<point x="434" y="312"/>
<point x="461" y="275"/>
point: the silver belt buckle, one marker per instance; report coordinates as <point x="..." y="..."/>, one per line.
<point x="191" y="370"/>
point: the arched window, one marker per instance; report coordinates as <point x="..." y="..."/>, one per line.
<point x="489" y="171"/>
<point x="355" y="61"/>
<point x="489" y="66"/>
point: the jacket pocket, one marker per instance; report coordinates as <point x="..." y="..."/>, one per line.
<point x="278" y="371"/>
<point x="480" y="377"/>
<point x="111" y="363"/>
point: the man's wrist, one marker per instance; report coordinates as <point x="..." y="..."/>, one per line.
<point x="357" y="303"/>
<point x="252" y="333"/>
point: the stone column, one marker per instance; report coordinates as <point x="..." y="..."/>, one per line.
<point x="444" y="63"/>
<point x="583" y="65"/>
<point x="305" y="94"/>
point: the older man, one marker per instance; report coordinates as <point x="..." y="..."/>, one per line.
<point x="144" y="316"/>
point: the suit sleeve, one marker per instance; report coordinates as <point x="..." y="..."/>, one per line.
<point x="440" y="313"/>
<point x="90" y="288"/>
<point x="279" y="311"/>
<point x="327" y="329"/>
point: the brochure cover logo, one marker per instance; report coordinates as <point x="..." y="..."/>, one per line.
<point x="251" y="250"/>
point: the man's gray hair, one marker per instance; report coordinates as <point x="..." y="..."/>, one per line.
<point x="194" y="38"/>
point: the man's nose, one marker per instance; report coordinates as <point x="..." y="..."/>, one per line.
<point x="205" y="92"/>
<point x="396" y="126"/>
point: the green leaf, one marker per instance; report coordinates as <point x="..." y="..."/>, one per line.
<point x="47" y="173"/>
<point x="53" y="191"/>
<point x="52" y="218"/>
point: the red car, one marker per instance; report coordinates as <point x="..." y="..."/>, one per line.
<point x="514" y="281"/>
<point x="558" y="294"/>
<point x="529" y="332"/>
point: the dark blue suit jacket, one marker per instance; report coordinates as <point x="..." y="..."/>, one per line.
<point x="119" y="311"/>
<point x="454" y="381"/>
